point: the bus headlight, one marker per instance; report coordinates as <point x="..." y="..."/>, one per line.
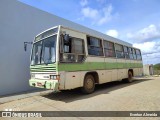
<point x="54" y="77"/>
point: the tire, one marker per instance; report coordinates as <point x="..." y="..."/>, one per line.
<point x="88" y="85"/>
<point x="130" y="77"/>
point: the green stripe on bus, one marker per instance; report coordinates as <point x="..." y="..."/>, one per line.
<point x="97" y="66"/>
<point x="84" y="66"/>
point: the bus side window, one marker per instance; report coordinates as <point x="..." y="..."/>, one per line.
<point x="130" y="53"/>
<point x="94" y="46"/>
<point x="78" y="49"/>
<point x="126" y="52"/>
<point x="138" y="54"/>
<point x="119" y="51"/>
<point x="72" y="51"/>
<point x="134" y="54"/>
<point x="66" y="48"/>
<point x="109" y="49"/>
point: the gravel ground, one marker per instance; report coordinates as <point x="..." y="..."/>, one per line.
<point x="141" y="95"/>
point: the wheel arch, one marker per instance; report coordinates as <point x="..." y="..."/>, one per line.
<point x="131" y="70"/>
<point x="94" y="74"/>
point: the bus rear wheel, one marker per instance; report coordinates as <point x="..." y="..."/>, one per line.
<point x="130" y="77"/>
<point x="88" y="85"/>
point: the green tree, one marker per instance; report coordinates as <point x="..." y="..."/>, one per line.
<point x="157" y="69"/>
<point x="157" y="66"/>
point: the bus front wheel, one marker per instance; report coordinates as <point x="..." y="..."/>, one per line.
<point x="88" y="85"/>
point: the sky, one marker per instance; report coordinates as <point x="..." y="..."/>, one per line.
<point x="134" y="21"/>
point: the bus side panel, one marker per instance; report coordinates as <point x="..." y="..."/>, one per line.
<point x="73" y="80"/>
<point x="140" y="68"/>
<point x="136" y="66"/>
<point x="140" y="71"/>
<point x="62" y="80"/>
<point x="97" y="64"/>
<point x="135" y="70"/>
<point x="121" y="69"/>
<point x="114" y="74"/>
<point x="111" y="72"/>
<point x="108" y="76"/>
<point x="102" y="76"/>
<point x="122" y="73"/>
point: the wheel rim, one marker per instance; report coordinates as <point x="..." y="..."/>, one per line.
<point x="89" y="83"/>
<point x="130" y="75"/>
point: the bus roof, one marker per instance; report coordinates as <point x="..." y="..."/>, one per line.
<point x="91" y="32"/>
<point x="97" y="34"/>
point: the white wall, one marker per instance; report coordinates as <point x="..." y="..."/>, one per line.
<point x="148" y="69"/>
<point x="19" y="23"/>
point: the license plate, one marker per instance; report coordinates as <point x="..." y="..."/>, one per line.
<point x="39" y="84"/>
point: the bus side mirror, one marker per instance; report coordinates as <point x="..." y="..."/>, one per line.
<point x="25" y="45"/>
<point x="66" y="38"/>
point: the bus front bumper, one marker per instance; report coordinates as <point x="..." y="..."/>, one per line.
<point x="47" y="84"/>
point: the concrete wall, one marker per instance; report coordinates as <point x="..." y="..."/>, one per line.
<point x="148" y="69"/>
<point x="20" y="23"/>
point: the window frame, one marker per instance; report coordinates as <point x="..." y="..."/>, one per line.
<point x="126" y="52"/>
<point x="100" y="47"/>
<point x="113" y="49"/>
<point x="83" y="45"/>
<point x="61" y="52"/>
<point x="134" y="54"/>
<point x="119" y="51"/>
<point x="131" y="53"/>
<point x="138" y="54"/>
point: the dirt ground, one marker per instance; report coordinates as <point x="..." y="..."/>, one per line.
<point x="143" y="94"/>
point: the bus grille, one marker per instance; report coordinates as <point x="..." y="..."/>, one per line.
<point x="44" y="68"/>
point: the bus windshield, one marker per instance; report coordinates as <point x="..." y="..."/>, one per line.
<point x="44" y="51"/>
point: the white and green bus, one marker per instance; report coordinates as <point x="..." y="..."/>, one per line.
<point x="63" y="58"/>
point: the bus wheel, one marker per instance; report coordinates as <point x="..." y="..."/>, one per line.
<point x="89" y="84"/>
<point x="130" y="77"/>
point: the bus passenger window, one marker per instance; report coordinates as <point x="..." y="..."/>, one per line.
<point x="94" y="46"/>
<point x="119" y="51"/>
<point x="109" y="49"/>
<point x="66" y="48"/>
<point x="126" y="52"/>
<point x="138" y="54"/>
<point x="130" y="53"/>
<point x="134" y="54"/>
<point x="73" y="51"/>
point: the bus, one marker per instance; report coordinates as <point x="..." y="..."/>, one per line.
<point x="63" y="58"/>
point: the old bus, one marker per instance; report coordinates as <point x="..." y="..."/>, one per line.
<point x="64" y="58"/>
